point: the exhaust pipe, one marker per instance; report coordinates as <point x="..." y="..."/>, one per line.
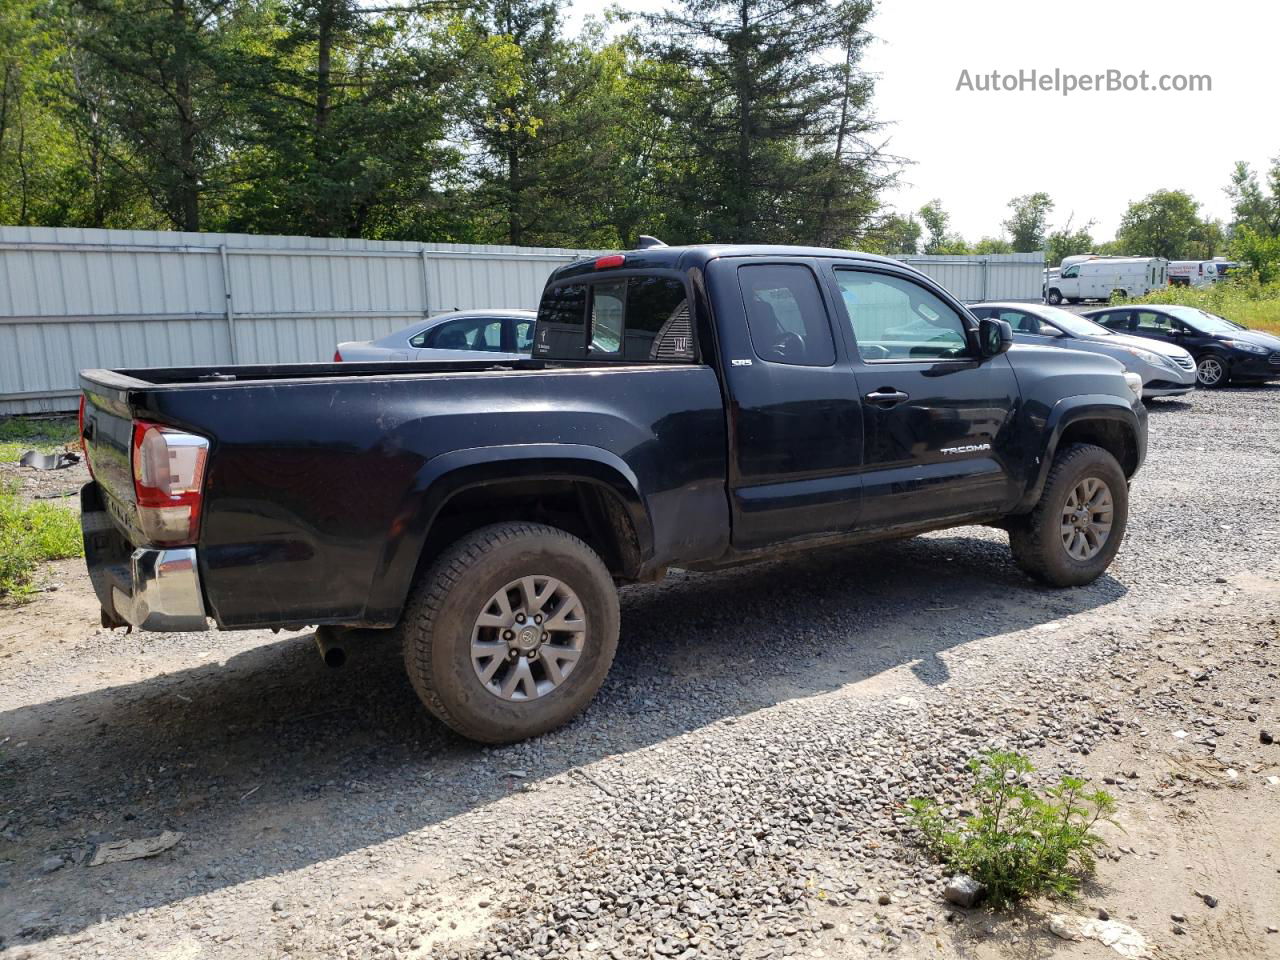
<point x="329" y="643"/>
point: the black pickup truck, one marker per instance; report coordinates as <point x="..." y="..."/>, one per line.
<point x="683" y="407"/>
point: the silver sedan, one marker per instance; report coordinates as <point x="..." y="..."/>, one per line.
<point x="1165" y="368"/>
<point x="464" y="335"/>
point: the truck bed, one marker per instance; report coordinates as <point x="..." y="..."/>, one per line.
<point x="327" y="471"/>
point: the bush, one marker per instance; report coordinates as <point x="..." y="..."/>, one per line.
<point x="30" y="533"/>
<point x="1022" y="842"/>
<point x="1247" y="302"/>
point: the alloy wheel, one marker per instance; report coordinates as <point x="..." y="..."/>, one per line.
<point x="1086" y="518"/>
<point x="528" y="638"/>
<point x="1209" y="371"/>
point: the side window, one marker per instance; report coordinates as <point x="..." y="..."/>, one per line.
<point x="523" y="330"/>
<point x="1114" y="320"/>
<point x="1023" y="322"/>
<point x="1151" y="322"/>
<point x="562" y="323"/>
<point x="608" y="301"/>
<point x="469" y="333"/>
<point x="419" y="340"/>
<point x="896" y="319"/>
<point x="658" y="323"/>
<point x="1071" y="272"/>
<point x="786" y="318"/>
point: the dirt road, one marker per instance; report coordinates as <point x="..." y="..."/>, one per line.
<point x="736" y="789"/>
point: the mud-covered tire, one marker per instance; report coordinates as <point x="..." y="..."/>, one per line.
<point x="1036" y="539"/>
<point x="443" y="610"/>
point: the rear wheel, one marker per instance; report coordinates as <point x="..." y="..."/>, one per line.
<point x="1211" y="371"/>
<point x="511" y="631"/>
<point x="1073" y="533"/>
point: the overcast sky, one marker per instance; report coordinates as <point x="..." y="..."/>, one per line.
<point x="1092" y="152"/>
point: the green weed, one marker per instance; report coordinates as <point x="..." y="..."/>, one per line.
<point x="1022" y="842"/>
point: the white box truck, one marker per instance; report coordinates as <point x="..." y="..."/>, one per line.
<point x="1108" y="277"/>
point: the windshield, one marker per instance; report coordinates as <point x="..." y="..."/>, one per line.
<point x="1073" y="323"/>
<point x="1204" y="322"/>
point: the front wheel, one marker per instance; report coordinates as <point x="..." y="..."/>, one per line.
<point x="1072" y="535"/>
<point x="511" y="631"/>
<point x="1055" y="297"/>
<point x="1211" y="371"/>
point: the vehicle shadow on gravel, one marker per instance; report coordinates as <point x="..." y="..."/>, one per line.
<point x="271" y="762"/>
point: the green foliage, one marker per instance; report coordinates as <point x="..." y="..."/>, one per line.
<point x="1255" y="206"/>
<point x="1244" y="301"/>
<point x="1066" y="242"/>
<point x="1029" y="222"/>
<point x="1260" y="253"/>
<point x="939" y="240"/>
<point x="1022" y="842"/>
<point x="766" y="139"/>
<point x="894" y="234"/>
<point x="994" y="245"/>
<point x="30" y="533"/>
<point x="1167" y="224"/>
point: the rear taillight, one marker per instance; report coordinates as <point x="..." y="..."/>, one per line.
<point x="337" y="356"/>
<point x="612" y="260"/>
<point x="168" y="476"/>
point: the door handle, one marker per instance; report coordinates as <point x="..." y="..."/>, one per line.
<point x="886" y="396"/>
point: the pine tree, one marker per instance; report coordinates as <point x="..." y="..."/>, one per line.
<point x="769" y="137"/>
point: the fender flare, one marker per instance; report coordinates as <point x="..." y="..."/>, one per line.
<point x="1067" y="412"/>
<point x="445" y="476"/>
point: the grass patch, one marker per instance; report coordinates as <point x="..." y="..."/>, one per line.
<point x="29" y="534"/>
<point x="18" y="435"/>
<point x="1022" y="842"/>
<point x="1248" y="303"/>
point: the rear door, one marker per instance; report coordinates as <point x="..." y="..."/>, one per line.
<point x="795" y="419"/>
<point x="937" y="420"/>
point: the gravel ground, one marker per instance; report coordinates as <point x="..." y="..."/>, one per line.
<point x="737" y="787"/>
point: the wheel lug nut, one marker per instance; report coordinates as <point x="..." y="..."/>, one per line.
<point x="519" y="618"/>
<point x="508" y="635"/>
<point x="546" y="636"/>
<point x="537" y="618"/>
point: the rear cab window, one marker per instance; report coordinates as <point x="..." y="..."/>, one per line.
<point x="633" y="319"/>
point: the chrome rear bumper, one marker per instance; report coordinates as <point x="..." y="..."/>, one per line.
<point x="164" y="591"/>
<point x="147" y="588"/>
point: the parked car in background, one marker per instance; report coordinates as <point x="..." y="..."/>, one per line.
<point x="1107" y="277"/>
<point x="1166" y="369"/>
<point x="464" y="335"/>
<point x="1224" y="352"/>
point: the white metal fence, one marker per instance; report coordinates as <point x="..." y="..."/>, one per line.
<point x="71" y="299"/>
<point x="76" y="298"/>
<point x="997" y="276"/>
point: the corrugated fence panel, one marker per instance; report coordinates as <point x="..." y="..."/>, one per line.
<point x="997" y="276"/>
<point x="73" y="298"/>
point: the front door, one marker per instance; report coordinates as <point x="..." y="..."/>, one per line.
<point x="937" y="419"/>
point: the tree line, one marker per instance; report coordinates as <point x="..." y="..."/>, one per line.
<point x="442" y="120"/>
<point x="1165" y="223"/>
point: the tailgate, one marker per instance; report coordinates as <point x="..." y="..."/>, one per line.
<point x="108" y="444"/>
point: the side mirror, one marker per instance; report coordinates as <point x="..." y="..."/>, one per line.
<point x="994" y="337"/>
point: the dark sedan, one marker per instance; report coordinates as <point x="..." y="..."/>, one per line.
<point x="1225" y="352"/>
